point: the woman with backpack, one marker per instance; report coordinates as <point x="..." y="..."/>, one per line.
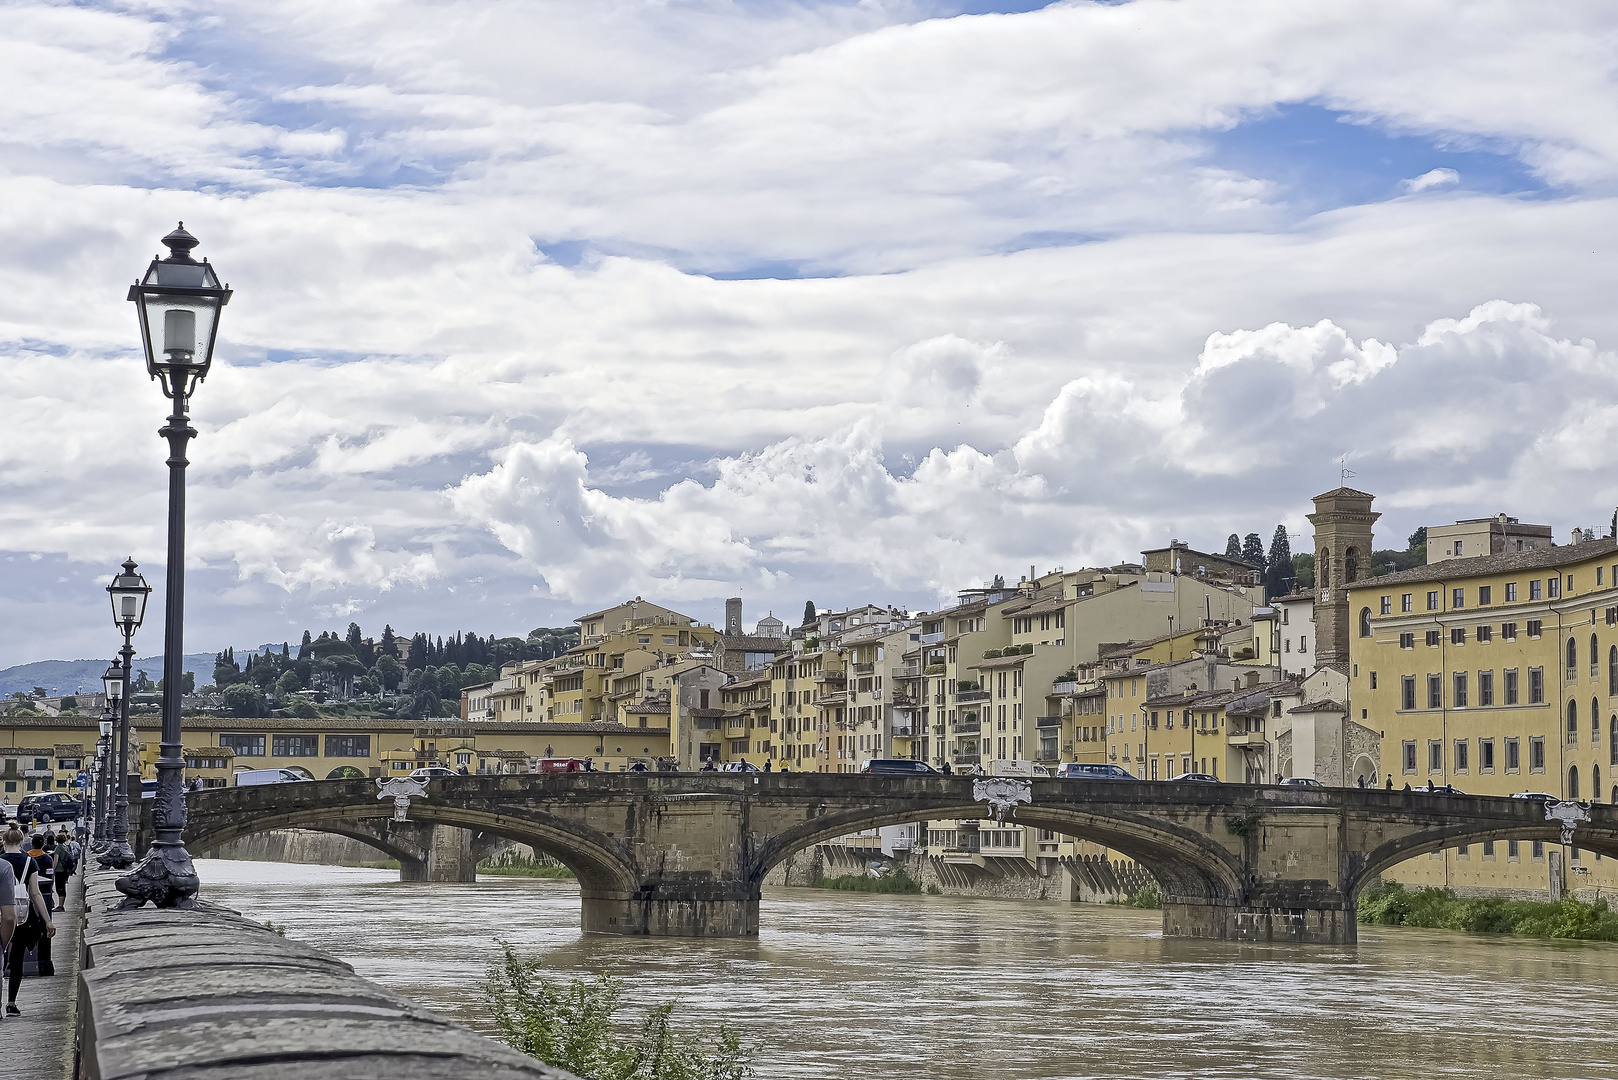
<point x="43" y="853"/>
<point x="66" y="863"/>
<point x="33" y="914"/>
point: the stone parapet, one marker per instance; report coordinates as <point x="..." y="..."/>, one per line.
<point x="207" y="993"/>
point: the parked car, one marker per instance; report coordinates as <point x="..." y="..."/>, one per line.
<point x="1301" y="781"/>
<point x="546" y="765"/>
<point x="255" y="777"/>
<point x="431" y="772"/>
<point x="1084" y="770"/>
<point x="897" y="767"/>
<point x="1536" y="796"/>
<point x="1012" y="767"/>
<point x="739" y="766"/>
<point x="48" y="806"/>
<point x="1197" y="778"/>
<point x="1440" y="789"/>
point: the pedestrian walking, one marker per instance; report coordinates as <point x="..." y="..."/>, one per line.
<point x="947" y="771"/>
<point x="30" y="905"/>
<point x="766" y="764"/>
<point x="1390" y="781"/>
<point x="66" y="864"/>
<point x="1361" y="781"/>
<point x="42" y="851"/>
<point x="8" y="906"/>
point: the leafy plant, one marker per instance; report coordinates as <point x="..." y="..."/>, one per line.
<point x="1148" y="895"/>
<point x="1391" y="904"/>
<point x="572" y="1027"/>
<point x="1243" y="825"/>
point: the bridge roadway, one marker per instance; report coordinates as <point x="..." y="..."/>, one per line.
<point x="683" y="855"/>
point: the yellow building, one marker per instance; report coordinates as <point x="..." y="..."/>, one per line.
<point x="1496" y="674"/>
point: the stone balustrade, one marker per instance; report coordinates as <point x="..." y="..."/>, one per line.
<point x="207" y="993"/>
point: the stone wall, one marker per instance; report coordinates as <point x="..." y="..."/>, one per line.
<point x="206" y="994"/>
<point x="1085" y="879"/>
<point x="299" y="846"/>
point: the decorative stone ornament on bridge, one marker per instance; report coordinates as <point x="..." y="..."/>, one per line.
<point x="1002" y="795"/>
<point x="401" y="789"/>
<point x="685" y="855"/>
<point x="1570" y="814"/>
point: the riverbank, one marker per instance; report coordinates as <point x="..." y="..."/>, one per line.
<point x="1391" y="904"/>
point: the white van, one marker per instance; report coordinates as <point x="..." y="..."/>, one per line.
<point x="253" y="777"/>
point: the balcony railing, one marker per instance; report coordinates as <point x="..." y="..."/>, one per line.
<point x="966" y="697"/>
<point x="900" y="731"/>
<point x="1048" y="721"/>
<point x="932" y="639"/>
<point x="1068" y="687"/>
<point x="864" y="669"/>
<point x="1246" y="738"/>
<point x="967" y="759"/>
<point x="969" y="727"/>
<point x="909" y="671"/>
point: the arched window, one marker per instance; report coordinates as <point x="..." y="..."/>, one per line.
<point x="1573" y="723"/>
<point x="1595" y="722"/>
<point x="1612" y="671"/>
<point x="1323" y="568"/>
<point x="1365" y="622"/>
<point x="1351" y="565"/>
<point x="1573" y="782"/>
<point x="1572" y="657"/>
<point x="1595" y="783"/>
<point x="1595" y="653"/>
<point x="1612" y="740"/>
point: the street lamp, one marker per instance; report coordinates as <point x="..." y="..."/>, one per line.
<point x="128" y="593"/>
<point x="113" y="683"/>
<point x="179" y="302"/>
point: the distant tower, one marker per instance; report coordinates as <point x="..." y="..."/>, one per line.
<point x="1342" y="521"/>
<point x="733" y="616"/>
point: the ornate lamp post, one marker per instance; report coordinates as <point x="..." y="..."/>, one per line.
<point x="179" y="301"/>
<point x="113" y="683"/>
<point x="128" y="592"/>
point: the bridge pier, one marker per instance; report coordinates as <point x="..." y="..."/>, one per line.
<point x="1325" y="925"/>
<point x="663" y="910"/>
<point x="445" y="854"/>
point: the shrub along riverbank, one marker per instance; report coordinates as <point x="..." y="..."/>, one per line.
<point x="509" y="865"/>
<point x="1391" y="904"/>
<point x="900" y="882"/>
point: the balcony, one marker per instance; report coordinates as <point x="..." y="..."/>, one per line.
<point x="900" y="731"/>
<point x="968" y="727"/>
<point x="865" y="669"/>
<point x="967" y="697"/>
<point x="909" y="671"/>
<point x="932" y="639"/>
<point x="1048" y="721"/>
<point x="1246" y="738"/>
<point x="1060" y="688"/>
<point x="966" y="759"/>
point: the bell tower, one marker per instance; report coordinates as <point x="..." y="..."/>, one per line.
<point x="1342" y="521"/>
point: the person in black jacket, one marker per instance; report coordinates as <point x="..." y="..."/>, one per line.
<point x="37" y="928"/>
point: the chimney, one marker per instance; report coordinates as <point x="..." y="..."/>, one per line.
<point x="1252" y="679"/>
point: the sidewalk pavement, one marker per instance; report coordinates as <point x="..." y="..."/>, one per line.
<point x="38" y="1045"/>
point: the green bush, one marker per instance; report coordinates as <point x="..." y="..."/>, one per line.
<point x="572" y="1027"/>
<point x="900" y="882"/>
<point x="991" y="654"/>
<point x="1147" y="896"/>
<point x="509" y="864"/>
<point x="1391" y="904"/>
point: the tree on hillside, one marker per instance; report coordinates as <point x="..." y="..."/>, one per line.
<point x="303" y="650"/>
<point x="808" y="613"/>
<point x="1253" y="549"/>
<point x="1278" y="578"/>
<point x="1233" y="546"/>
<point x="244" y="701"/>
<point x="1303" y="569"/>
<point x="225" y="669"/>
<point x="387" y="672"/>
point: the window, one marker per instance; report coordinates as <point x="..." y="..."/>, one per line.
<point x="1365" y="622"/>
<point x="1508" y="630"/>
<point x="348" y="746"/>
<point x="1485" y="688"/>
<point x="1612" y="671"/>
<point x="1485" y="755"/>
<point x="1554" y="585"/>
<point x="1536" y="686"/>
<point x="1457" y="598"/>
<point x="1572" y="658"/>
<point x="1303" y="643"/>
<point x="1386" y="607"/>
<point x="1373" y="680"/>
<point x="1511" y="686"/>
<point x="1462" y="748"/>
<point x="1457" y="550"/>
<point x="1538" y="849"/>
<point x="1432" y="600"/>
<point x="1536" y="590"/>
<point x="1408" y="641"/>
<point x="1536" y="754"/>
<point x="1409" y="757"/>
<point x="295" y="745"/>
<point x="1535" y="627"/>
<point x="1485" y="595"/>
<point x="1432" y="639"/>
<point x="1485" y="634"/>
<point x="244" y="745"/>
<point x="1407" y="602"/>
<point x="1511" y="592"/>
<point x="1435" y="691"/>
<point x="1457" y="635"/>
<point x="1573" y="723"/>
<point x="1407" y="694"/>
<point x="1513" y="762"/>
<point x="1435" y="756"/>
<point x="1460" y="690"/>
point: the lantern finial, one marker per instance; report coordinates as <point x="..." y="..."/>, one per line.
<point x="180" y="243"/>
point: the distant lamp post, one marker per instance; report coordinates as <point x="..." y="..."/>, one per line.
<point x="113" y="683"/>
<point x="128" y="593"/>
<point x="179" y="301"/>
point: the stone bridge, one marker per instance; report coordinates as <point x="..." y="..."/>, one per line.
<point x="683" y="855"/>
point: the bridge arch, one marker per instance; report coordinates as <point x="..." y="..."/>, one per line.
<point x="595" y="859"/>
<point x="1370" y="865"/>
<point x="1187" y="865"/>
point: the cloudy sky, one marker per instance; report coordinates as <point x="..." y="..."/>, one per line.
<point x="540" y="305"/>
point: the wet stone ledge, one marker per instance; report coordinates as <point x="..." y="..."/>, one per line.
<point x="204" y="994"/>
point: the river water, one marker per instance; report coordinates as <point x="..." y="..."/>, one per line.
<point x="942" y="988"/>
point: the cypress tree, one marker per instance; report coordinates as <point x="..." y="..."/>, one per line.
<point x="1233" y="546"/>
